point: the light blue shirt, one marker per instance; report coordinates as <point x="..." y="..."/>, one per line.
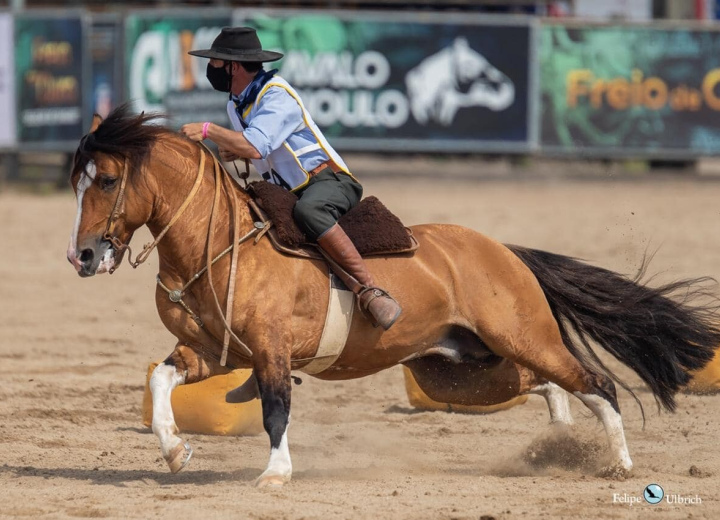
<point x="276" y="117"/>
<point x="279" y="126"/>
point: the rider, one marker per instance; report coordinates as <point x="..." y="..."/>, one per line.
<point x="273" y="129"/>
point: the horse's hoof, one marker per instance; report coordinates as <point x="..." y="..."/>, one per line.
<point x="615" y="472"/>
<point x="179" y="457"/>
<point x="271" y="481"/>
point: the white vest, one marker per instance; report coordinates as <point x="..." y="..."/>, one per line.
<point x="286" y="161"/>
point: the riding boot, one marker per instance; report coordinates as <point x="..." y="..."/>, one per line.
<point x="381" y="306"/>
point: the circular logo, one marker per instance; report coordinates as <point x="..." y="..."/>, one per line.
<point x="653" y="494"/>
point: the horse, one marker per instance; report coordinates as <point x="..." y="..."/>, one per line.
<point x="453" y="78"/>
<point x="482" y="322"/>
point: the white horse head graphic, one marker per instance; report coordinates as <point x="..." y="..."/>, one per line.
<point x="456" y="77"/>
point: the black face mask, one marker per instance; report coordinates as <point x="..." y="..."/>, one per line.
<point x="219" y="78"/>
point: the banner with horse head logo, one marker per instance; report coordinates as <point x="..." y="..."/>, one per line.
<point x="400" y="82"/>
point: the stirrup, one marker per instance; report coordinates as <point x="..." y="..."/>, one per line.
<point x="364" y="305"/>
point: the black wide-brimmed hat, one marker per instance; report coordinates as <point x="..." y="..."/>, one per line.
<point x="237" y="44"/>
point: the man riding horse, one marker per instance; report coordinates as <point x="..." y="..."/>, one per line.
<point x="273" y="129"/>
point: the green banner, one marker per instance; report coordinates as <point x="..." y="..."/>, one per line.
<point x="161" y="76"/>
<point x="630" y="90"/>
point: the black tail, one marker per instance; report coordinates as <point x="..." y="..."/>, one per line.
<point x="660" y="336"/>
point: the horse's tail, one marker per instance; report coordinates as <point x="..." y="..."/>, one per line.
<point x="661" y="337"/>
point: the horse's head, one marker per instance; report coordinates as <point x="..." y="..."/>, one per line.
<point x="110" y="205"/>
<point x="468" y="63"/>
<point x="455" y="77"/>
<point x="484" y="84"/>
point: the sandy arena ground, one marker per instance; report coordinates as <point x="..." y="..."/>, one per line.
<point x="73" y="356"/>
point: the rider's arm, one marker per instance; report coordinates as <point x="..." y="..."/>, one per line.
<point x="278" y="115"/>
<point x="232" y="141"/>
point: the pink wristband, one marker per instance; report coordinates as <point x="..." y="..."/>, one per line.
<point x="205" y="129"/>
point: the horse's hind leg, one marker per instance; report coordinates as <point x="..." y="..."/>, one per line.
<point x="555" y="397"/>
<point x="183" y="366"/>
<point x="603" y="403"/>
<point x="557" y="401"/>
<point x="596" y="391"/>
<point x="535" y="343"/>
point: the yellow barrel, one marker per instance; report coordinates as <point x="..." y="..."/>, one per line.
<point x="420" y="400"/>
<point x="707" y="380"/>
<point x="201" y="407"/>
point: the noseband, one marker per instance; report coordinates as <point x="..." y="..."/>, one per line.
<point x="117" y="213"/>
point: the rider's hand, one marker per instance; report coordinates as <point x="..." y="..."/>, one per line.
<point x="227" y="155"/>
<point x="193" y="131"/>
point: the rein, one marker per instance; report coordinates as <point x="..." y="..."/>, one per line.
<point x="177" y="294"/>
<point x="227" y="319"/>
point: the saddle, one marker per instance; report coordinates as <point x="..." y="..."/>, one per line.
<point x="373" y="229"/>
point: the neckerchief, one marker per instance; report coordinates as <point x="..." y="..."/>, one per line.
<point x="251" y="93"/>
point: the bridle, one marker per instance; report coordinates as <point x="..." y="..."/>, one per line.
<point x="118" y="212"/>
<point x="175" y="296"/>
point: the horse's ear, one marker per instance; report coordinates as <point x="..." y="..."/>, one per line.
<point x="96" y="120"/>
<point x="461" y="42"/>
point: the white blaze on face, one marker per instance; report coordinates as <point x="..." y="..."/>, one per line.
<point x="84" y="183"/>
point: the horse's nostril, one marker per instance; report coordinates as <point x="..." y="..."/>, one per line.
<point x="86" y="256"/>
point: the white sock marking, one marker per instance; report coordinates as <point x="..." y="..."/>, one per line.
<point x="163" y="381"/>
<point x="613" y="427"/>
<point x="279" y="463"/>
<point x="557" y="401"/>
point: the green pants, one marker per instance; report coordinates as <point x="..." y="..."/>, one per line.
<point x="326" y="198"/>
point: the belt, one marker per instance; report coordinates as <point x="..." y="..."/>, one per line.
<point x="327" y="164"/>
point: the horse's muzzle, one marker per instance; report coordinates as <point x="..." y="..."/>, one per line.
<point x="92" y="257"/>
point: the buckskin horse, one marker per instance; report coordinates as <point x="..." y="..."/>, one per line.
<point x="482" y="322"/>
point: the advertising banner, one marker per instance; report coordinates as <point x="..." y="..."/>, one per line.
<point x="106" y="89"/>
<point x="49" y="79"/>
<point x="7" y="78"/>
<point x="627" y="90"/>
<point x="405" y="82"/>
<point x="160" y="76"/>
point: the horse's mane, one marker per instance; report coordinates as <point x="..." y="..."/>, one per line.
<point x="123" y="135"/>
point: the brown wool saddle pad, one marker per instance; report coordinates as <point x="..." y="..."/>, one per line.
<point x="370" y="225"/>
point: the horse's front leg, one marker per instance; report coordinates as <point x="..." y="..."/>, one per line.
<point x="182" y="366"/>
<point x="273" y="377"/>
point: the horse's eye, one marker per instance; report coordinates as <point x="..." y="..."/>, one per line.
<point x="107" y="183"/>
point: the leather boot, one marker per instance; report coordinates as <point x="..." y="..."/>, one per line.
<point x="381" y="306"/>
